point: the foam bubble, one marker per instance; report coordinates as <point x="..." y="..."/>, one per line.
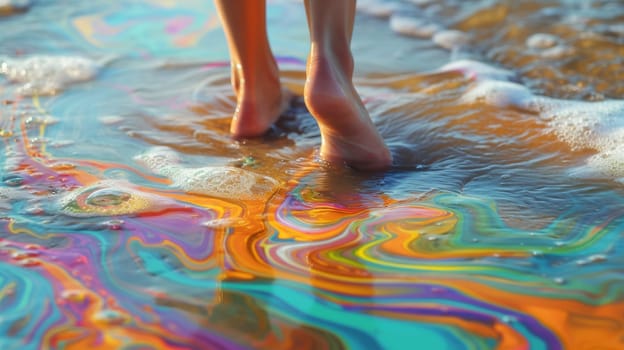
<point x="450" y="39"/>
<point x="377" y="8"/>
<point x="477" y="70"/>
<point x="500" y="94"/>
<point x="416" y="27"/>
<point x="542" y="41"/>
<point x="110" y="119"/>
<point x="222" y="181"/>
<point x="161" y="160"/>
<point x="225" y="182"/>
<point x="47" y="75"/>
<point x="609" y="164"/>
<point x="596" y="125"/>
<point x="109" y="198"/>
<point x="591" y="125"/>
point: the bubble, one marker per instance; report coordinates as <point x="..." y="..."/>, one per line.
<point x="29" y="262"/>
<point x="109" y="198"/>
<point x="226" y="222"/>
<point x="74" y="295"/>
<point x="40" y="121"/>
<point x="542" y="41"/>
<point x="499" y="94"/>
<point x="161" y="160"/>
<point x="13" y="180"/>
<point x="109" y="317"/>
<point x="110" y="119"/>
<point x="377" y="8"/>
<point x="410" y="26"/>
<point x="224" y="182"/>
<point x="47" y="75"/>
<point x="591" y="259"/>
<point x="478" y="70"/>
<point x="590" y="125"/>
<point x="509" y="319"/>
<point x="559" y="280"/>
<point x="113" y="224"/>
<point x="23" y="255"/>
<point x="450" y="39"/>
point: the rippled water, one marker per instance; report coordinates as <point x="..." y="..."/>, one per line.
<point x="131" y="220"/>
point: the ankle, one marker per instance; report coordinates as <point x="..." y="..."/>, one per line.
<point x="338" y="61"/>
<point x="255" y="82"/>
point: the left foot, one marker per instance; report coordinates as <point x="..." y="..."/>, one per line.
<point x="260" y="102"/>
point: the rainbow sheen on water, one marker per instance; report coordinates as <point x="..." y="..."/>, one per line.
<point x="129" y="218"/>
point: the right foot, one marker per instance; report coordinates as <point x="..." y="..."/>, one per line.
<point x="347" y="133"/>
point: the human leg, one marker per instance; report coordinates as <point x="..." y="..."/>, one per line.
<point x="347" y="132"/>
<point x="255" y="75"/>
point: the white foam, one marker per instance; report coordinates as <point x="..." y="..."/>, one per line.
<point x="377" y="8"/>
<point x="110" y="119"/>
<point x="225" y="182"/>
<point x="222" y="181"/>
<point x="598" y="126"/>
<point x="542" y="41"/>
<point x="450" y="39"/>
<point x="591" y="125"/>
<point x="411" y="26"/>
<point x="500" y="94"/>
<point x="161" y="160"/>
<point x="477" y="70"/>
<point x="47" y="75"/>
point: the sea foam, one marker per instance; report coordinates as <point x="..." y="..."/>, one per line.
<point x="598" y="126"/>
<point x="218" y="181"/>
<point x="47" y="75"/>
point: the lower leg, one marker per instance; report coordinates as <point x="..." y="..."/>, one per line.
<point x="348" y="134"/>
<point x="255" y="75"/>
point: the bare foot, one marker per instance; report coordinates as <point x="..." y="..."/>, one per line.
<point x="347" y="132"/>
<point x="260" y="101"/>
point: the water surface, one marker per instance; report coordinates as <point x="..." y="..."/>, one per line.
<point x="131" y="220"/>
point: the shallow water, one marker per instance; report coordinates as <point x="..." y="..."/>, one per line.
<point x="130" y="219"/>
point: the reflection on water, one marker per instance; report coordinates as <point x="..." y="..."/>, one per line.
<point x="131" y="220"/>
